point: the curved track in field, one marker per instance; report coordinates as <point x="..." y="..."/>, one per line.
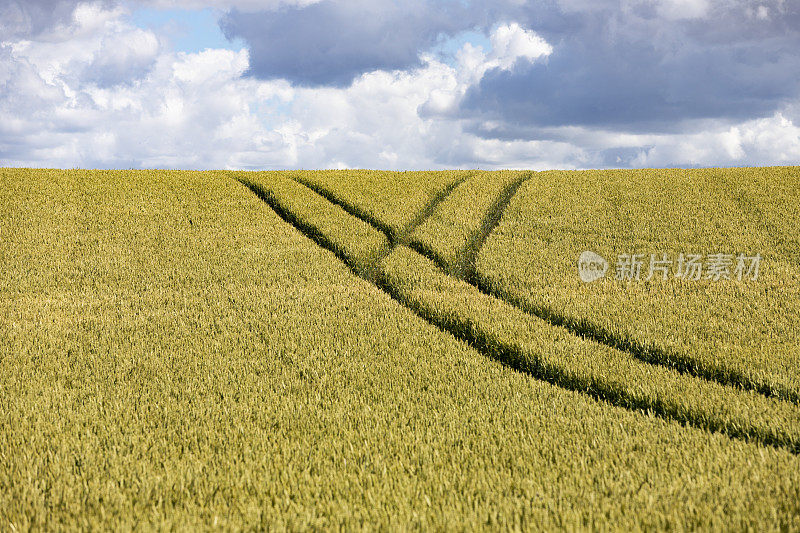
<point x="506" y="354"/>
<point x="466" y="265"/>
<point x="645" y="352"/>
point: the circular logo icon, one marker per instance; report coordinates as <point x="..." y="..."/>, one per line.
<point x="591" y="267"/>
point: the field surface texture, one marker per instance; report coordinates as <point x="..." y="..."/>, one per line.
<point x="362" y="349"/>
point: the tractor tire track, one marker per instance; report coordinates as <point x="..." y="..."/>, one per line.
<point x="510" y="356"/>
<point x="646" y="353"/>
<point x="469" y="256"/>
<point x="467" y="271"/>
<point x="372" y="273"/>
<point x="395" y="237"/>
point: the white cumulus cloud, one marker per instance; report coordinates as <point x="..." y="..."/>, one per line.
<point x="101" y="92"/>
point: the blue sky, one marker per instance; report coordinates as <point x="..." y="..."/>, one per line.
<point x="402" y="85"/>
<point x="189" y="30"/>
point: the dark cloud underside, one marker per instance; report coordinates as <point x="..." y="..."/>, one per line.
<point x="616" y="65"/>
<point x="635" y="71"/>
<point x="26" y="18"/>
<point x="332" y="42"/>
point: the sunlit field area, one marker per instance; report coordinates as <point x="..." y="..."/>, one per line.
<point x="458" y="350"/>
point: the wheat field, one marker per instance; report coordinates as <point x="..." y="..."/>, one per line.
<point x="397" y="350"/>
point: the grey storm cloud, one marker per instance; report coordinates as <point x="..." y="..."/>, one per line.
<point x="632" y="70"/>
<point x="26" y="18"/>
<point x="334" y="41"/>
<point x="616" y="64"/>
